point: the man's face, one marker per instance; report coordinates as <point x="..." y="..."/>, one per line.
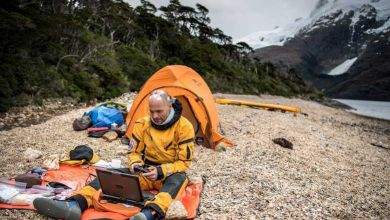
<point x="159" y="110"/>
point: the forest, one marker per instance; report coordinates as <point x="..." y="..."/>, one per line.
<point x="87" y="49"/>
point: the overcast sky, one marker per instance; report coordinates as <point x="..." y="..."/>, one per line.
<point x="240" y="18"/>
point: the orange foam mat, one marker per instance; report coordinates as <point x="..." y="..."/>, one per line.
<point x="72" y="176"/>
<point x="77" y="176"/>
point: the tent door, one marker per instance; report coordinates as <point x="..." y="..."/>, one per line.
<point x="189" y="114"/>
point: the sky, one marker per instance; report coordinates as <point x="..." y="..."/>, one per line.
<point x="241" y="18"/>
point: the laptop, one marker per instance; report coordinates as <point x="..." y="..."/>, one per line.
<point x="122" y="188"/>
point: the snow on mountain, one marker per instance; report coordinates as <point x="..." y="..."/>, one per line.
<point x="342" y="68"/>
<point x="385" y="27"/>
<point x="320" y="47"/>
<point x="277" y="36"/>
<point x="326" y="12"/>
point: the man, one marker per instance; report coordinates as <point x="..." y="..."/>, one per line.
<point x="164" y="141"/>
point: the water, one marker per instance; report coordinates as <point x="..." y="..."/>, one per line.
<point x="376" y="109"/>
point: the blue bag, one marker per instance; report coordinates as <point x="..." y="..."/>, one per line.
<point x="102" y="116"/>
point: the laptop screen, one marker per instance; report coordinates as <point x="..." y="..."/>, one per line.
<point x="120" y="185"/>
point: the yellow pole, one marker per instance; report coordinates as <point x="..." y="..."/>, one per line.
<point x="259" y="105"/>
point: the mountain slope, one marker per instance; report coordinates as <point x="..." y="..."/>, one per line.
<point x="335" y="32"/>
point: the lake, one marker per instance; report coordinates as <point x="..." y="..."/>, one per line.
<point x="376" y="109"/>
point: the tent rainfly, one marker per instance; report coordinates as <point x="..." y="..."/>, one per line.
<point x="192" y="91"/>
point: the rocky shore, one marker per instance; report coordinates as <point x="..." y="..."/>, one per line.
<point x="338" y="166"/>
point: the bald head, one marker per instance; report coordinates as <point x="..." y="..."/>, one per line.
<point x="160" y="95"/>
<point x="160" y="104"/>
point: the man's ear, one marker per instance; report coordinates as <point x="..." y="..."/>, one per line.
<point x="171" y="101"/>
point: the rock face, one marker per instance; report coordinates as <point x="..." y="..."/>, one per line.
<point x="336" y="32"/>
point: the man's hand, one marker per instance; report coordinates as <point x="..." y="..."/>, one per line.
<point x="152" y="175"/>
<point x="134" y="165"/>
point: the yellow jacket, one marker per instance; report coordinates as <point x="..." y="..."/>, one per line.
<point x="171" y="150"/>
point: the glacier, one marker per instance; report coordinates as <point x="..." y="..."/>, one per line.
<point x="342" y="68"/>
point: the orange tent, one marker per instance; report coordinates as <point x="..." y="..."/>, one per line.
<point x="192" y="91"/>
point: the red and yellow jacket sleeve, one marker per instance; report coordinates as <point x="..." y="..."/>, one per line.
<point x="185" y="152"/>
<point x="136" y="145"/>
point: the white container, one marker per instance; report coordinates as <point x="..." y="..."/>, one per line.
<point x="115" y="163"/>
<point x="114" y="126"/>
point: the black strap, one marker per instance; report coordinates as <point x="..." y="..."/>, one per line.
<point x="151" y="163"/>
<point x="188" y="153"/>
<point x="135" y="138"/>
<point x="186" y="141"/>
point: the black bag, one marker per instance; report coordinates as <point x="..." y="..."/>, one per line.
<point x="57" y="185"/>
<point x="81" y="152"/>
